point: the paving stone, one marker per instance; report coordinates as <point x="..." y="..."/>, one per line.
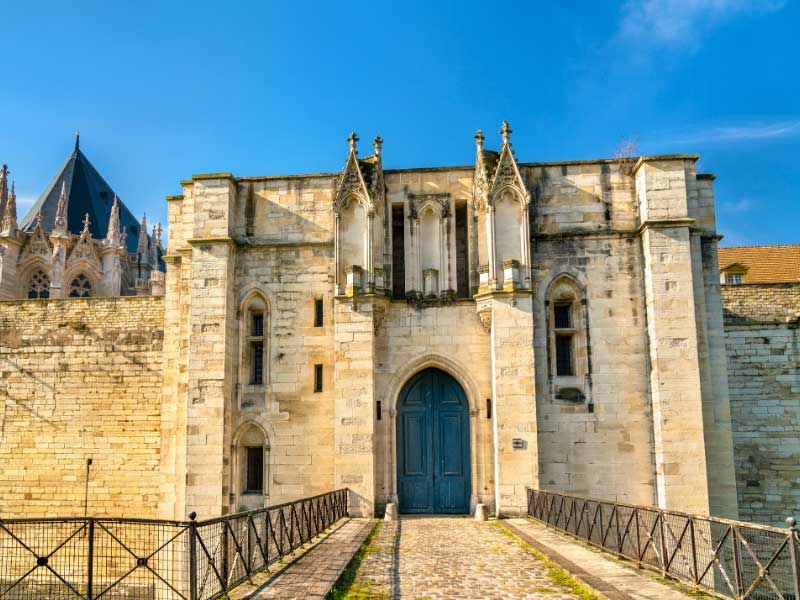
<point x="434" y="558"/>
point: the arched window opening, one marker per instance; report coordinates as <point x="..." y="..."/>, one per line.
<point x="254" y="358"/>
<point x="39" y="286"/>
<point x="569" y="363"/>
<point x="250" y="454"/>
<point x="80" y="287"/>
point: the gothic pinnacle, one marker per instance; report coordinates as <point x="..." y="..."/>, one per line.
<point x="77" y="140"/>
<point x="352" y="139"/>
<point x="505" y="131"/>
<point x="142" y="242"/>
<point x="60" y="225"/>
<point x="479" y="137"/>
<point x="86" y="223"/>
<point x="10" y="213"/>
<point x="113" y="236"/>
<point x="377" y="144"/>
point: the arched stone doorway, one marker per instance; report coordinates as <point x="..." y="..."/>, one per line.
<point x="433" y="453"/>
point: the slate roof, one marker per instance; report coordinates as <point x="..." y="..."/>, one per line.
<point x="88" y="193"/>
<point x="764" y="264"/>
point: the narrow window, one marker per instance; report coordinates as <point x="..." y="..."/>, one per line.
<point x="398" y="253"/>
<point x="317" y="378"/>
<point x="378" y="410"/>
<point x="488" y="408"/>
<point x="462" y="276"/>
<point x="318" y="315"/>
<point x="257" y="371"/>
<point x="564" y="355"/>
<point x="257" y="325"/>
<point x="255" y="470"/>
<point x="256" y="342"/>
<point x="562" y="315"/>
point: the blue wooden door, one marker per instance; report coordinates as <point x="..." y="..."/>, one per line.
<point x="433" y="469"/>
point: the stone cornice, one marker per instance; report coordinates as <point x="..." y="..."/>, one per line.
<point x="212" y="240"/>
<point x="666" y="223"/>
<point x="654" y="157"/>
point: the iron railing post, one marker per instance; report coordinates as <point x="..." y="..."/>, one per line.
<point x="638" y="538"/>
<point x="791" y="522"/>
<point x="737" y="562"/>
<point x="90" y="562"/>
<point x="193" y="556"/>
<point x="224" y="546"/>
<point x="696" y="573"/>
<point x="662" y="514"/>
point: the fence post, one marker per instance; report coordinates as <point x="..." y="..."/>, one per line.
<point x="694" y="554"/>
<point x="90" y="561"/>
<point x="193" y="556"/>
<point x="791" y="522"/>
<point x="737" y="562"/>
<point x="638" y="539"/>
<point x="224" y="546"/>
<point x="662" y="515"/>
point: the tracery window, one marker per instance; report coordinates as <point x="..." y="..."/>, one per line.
<point x="80" y="287"/>
<point x="39" y="285"/>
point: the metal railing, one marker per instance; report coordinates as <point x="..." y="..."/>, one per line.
<point x="135" y="559"/>
<point x="732" y="559"/>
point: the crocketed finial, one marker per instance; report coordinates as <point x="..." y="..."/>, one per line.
<point x="86" y="223"/>
<point x="479" y="137"/>
<point x="60" y="225"/>
<point x="353" y="141"/>
<point x="505" y="131"/>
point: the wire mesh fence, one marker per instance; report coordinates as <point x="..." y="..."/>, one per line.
<point x="137" y="559"/>
<point x="733" y="559"/>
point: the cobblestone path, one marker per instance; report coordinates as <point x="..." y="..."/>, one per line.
<point x="450" y="557"/>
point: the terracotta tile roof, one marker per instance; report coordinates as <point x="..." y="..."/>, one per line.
<point x="764" y="264"/>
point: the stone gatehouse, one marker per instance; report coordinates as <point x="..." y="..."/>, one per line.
<point x="437" y="337"/>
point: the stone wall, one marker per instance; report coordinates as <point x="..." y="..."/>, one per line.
<point x="762" y="333"/>
<point x="79" y="379"/>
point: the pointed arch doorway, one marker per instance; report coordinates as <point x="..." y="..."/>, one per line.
<point x="433" y="454"/>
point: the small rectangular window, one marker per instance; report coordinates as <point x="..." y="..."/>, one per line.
<point x="564" y="355"/>
<point x="317" y="378"/>
<point x="257" y="325"/>
<point x="735" y="278"/>
<point x="318" y="314"/>
<point x="378" y="411"/>
<point x="562" y="314"/>
<point x="255" y="470"/>
<point x="256" y="363"/>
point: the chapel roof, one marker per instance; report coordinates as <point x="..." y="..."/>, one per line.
<point x="87" y="192"/>
<point x="763" y="264"/>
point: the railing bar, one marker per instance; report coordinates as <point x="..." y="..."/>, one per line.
<point x="12" y="586"/>
<point x="166" y="583"/>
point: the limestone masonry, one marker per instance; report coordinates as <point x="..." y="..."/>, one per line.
<point x="436" y="337"/>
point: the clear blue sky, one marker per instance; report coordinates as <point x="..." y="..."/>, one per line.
<point x="163" y="91"/>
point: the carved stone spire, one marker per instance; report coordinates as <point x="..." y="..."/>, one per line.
<point x="155" y="244"/>
<point x="10" y="214"/>
<point x="142" y="244"/>
<point x="114" y="236"/>
<point x="3" y="188"/>
<point x="505" y="131"/>
<point x="479" y="137"/>
<point x="60" y="225"/>
<point x="377" y="144"/>
<point x="352" y="139"/>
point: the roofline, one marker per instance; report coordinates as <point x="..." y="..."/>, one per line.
<point x="761" y="246"/>
<point x="556" y="163"/>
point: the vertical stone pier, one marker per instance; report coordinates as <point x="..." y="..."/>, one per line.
<point x="516" y="463"/>
<point x="675" y="386"/>
<point x="354" y="404"/>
